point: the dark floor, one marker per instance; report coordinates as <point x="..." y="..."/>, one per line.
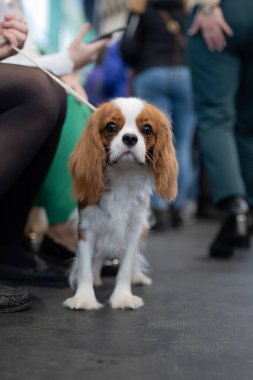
<point x="197" y="323"/>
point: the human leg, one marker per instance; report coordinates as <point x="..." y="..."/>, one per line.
<point x="183" y="119"/>
<point x="32" y="110"/>
<point x="216" y="80"/>
<point x="215" y="92"/>
<point x="244" y="125"/>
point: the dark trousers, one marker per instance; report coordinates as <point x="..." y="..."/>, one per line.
<point x="223" y="94"/>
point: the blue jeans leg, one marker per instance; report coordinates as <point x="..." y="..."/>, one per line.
<point x="169" y="88"/>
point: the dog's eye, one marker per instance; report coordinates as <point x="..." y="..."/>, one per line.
<point x="111" y="127"/>
<point x="146" y="129"/>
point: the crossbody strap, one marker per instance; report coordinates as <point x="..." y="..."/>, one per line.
<point x="173" y="27"/>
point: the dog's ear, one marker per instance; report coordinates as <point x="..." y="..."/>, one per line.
<point x="88" y="164"/>
<point x="165" y="162"/>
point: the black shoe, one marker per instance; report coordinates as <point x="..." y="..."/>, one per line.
<point x="161" y="221"/>
<point x="110" y="268"/>
<point x="234" y="233"/>
<point x="38" y="275"/>
<point x="55" y="254"/>
<point x="176" y="218"/>
<point x="251" y="222"/>
<point x="13" y="299"/>
<point x="58" y="256"/>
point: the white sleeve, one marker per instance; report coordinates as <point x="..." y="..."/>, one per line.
<point x="59" y="63"/>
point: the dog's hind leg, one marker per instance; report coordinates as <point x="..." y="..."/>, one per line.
<point x="140" y="267"/>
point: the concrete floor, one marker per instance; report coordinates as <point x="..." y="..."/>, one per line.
<point x="197" y="323"/>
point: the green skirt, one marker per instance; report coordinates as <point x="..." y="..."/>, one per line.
<point x="55" y="194"/>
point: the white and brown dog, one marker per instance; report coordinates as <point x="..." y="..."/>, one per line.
<point x="125" y="152"/>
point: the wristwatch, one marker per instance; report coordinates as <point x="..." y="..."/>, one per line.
<point x="207" y="8"/>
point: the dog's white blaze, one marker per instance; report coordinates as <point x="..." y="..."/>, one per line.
<point x="130" y="109"/>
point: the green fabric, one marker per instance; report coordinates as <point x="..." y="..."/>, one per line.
<point x="56" y="192"/>
<point x="223" y="89"/>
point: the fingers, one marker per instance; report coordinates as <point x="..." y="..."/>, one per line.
<point x="10" y="16"/>
<point x="82" y="53"/>
<point x="215" y="39"/>
<point x="226" y="28"/>
<point x="14" y="29"/>
<point x="99" y="45"/>
<point x="72" y="81"/>
<point x="79" y="89"/>
<point x="14" y="37"/>
<point x="215" y="42"/>
<point x="84" y="30"/>
<point x="214" y="29"/>
<point x="195" y="28"/>
<point x="16" y="24"/>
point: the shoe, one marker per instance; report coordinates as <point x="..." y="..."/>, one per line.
<point x="55" y="254"/>
<point x="58" y="256"/>
<point x="39" y="275"/>
<point x="13" y="299"/>
<point x="234" y="233"/>
<point x="110" y="268"/>
<point x="161" y="221"/>
<point x="251" y="222"/>
<point x="176" y="218"/>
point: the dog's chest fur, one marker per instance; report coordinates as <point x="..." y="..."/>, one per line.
<point x="122" y="209"/>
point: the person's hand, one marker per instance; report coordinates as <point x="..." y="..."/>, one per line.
<point x="214" y="28"/>
<point x="14" y="30"/>
<point x="72" y="81"/>
<point x="82" y="53"/>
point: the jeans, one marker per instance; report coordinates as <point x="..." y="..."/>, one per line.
<point x="169" y="88"/>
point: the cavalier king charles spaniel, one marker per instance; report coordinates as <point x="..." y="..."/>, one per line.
<point x="125" y="152"/>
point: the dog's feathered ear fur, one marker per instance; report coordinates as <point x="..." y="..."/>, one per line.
<point x="165" y="162"/>
<point x="88" y="164"/>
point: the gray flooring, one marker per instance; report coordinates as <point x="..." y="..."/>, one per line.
<point x="197" y="323"/>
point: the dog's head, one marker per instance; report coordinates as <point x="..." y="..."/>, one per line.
<point x="124" y="132"/>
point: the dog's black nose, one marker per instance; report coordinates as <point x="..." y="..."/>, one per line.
<point x="129" y="139"/>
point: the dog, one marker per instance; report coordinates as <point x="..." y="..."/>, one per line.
<point x="125" y="152"/>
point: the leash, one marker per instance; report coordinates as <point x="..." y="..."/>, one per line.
<point x="66" y="87"/>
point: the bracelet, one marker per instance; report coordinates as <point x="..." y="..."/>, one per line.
<point x="202" y="3"/>
<point x="207" y="8"/>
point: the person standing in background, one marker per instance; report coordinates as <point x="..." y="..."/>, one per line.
<point x="154" y="45"/>
<point x="221" y="60"/>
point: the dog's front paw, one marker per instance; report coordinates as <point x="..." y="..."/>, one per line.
<point x="80" y="302"/>
<point x="141" y="279"/>
<point x="125" y="301"/>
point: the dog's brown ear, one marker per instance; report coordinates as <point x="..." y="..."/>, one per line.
<point x="88" y="164"/>
<point x="165" y="162"/>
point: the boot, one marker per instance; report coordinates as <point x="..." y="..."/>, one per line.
<point x="234" y="231"/>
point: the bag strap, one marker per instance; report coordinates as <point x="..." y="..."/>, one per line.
<point x="173" y="27"/>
